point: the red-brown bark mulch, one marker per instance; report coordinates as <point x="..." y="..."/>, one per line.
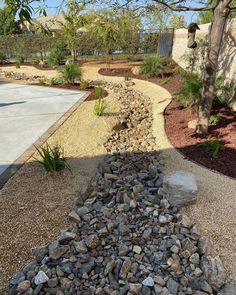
<point x="186" y="141"/>
<point x="183" y="138"/>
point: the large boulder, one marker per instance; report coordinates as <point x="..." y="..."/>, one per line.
<point x="180" y="188"/>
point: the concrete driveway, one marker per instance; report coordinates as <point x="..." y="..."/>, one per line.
<point x="26" y="113"/>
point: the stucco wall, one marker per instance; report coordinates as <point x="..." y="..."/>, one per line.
<point x="227" y="61"/>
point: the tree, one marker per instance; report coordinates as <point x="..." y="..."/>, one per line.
<point x="105" y="27"/>
<point x="69" y="28"/>
<point x="221" y="9"/>
<point x="8" y="25"/>
<point x="177" y="21"/>
<point x="205" y="17"/>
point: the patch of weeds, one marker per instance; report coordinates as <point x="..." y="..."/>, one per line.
<point x="127" y="78"/>
<point x="99" y="107"/>
<point x="84" y="85"/>
<point x="213" y="147"/>
<point x="166" y="81"/>
<point x="52" y="158"/>
<point x="214" y="120"/>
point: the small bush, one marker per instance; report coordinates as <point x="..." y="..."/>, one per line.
<point x="52" y="158"/>
<point x="56" y="56"/>
<point x="3" y="58"/>
<point x="152" y="67"/>
<point x="98" y="92"/>
<point x="84" y="85"/>
<point x="99" y="107"/>
<point x="214" y="119"/>
<point x="71" y="72"/>
<point x="213" y="146"/>
<point x="190" y="93"/>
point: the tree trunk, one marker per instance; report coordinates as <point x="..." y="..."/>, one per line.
<point x="221" y="13"/>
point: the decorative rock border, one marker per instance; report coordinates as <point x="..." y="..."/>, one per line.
<point x="125" y="238"/>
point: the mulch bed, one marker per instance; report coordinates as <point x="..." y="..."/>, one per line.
<point x="185" y="139"/>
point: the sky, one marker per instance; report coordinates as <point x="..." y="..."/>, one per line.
<point x="53" y="9"/>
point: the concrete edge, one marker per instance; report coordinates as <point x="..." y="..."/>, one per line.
<point x="20" y="161"/>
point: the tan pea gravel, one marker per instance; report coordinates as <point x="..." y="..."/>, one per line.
<point x="34" y="205"/>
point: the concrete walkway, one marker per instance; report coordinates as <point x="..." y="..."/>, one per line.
<point x="26" y="113"/>
<point x="215" y="211"/>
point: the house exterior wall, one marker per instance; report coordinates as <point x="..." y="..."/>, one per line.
<point x="227" y="59"/>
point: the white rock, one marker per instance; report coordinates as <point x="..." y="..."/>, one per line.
<point x="148" y="282"/>
<point x="180" y="188"/>
<point x="41" y="278"/>
<point x="137" y="249"/>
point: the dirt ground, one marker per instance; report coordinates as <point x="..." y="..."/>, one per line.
<point x="34" y="204"/>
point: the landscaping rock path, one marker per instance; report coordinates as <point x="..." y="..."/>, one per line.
<point x="126" y="238"/>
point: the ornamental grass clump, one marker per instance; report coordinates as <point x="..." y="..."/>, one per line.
<point x="152" y="67"/>
<point x="100" y="105"/>
<point x="70" y="73"/>
<point x="52" y="158"/>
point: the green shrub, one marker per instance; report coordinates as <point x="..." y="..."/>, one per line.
<point x="152" y="67"/>
<point x="84" y="85"/>
<point x="213" y="146"/>
<point x="99" y="107"/>
<point x="70" y="73"/>
<point x="98" y="92"/>
<point x="190" y="93"/>
<point x="214" y="119"/>
<point x="3" y="58"/>
<point x="52" y="158"/>
<point x="56" y="56"/>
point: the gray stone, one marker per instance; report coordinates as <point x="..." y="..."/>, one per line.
<point x="135" y="288"/>
<point x="214" y="271"/>
<point x="180" y="188"/>
<point x="41" y="278"/>
<point x="17" y="279"/>
<point x="172" y="286"/>
<point x="148" y="282"/>
<point x="23" y="286"/>
<point x="229" y="289"/>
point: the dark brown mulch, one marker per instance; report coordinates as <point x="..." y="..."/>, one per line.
<point x="77" y="88"/>
<point x="185" y="139"/>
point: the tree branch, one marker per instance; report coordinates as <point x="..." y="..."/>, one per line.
<point x="174" y="6"/>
